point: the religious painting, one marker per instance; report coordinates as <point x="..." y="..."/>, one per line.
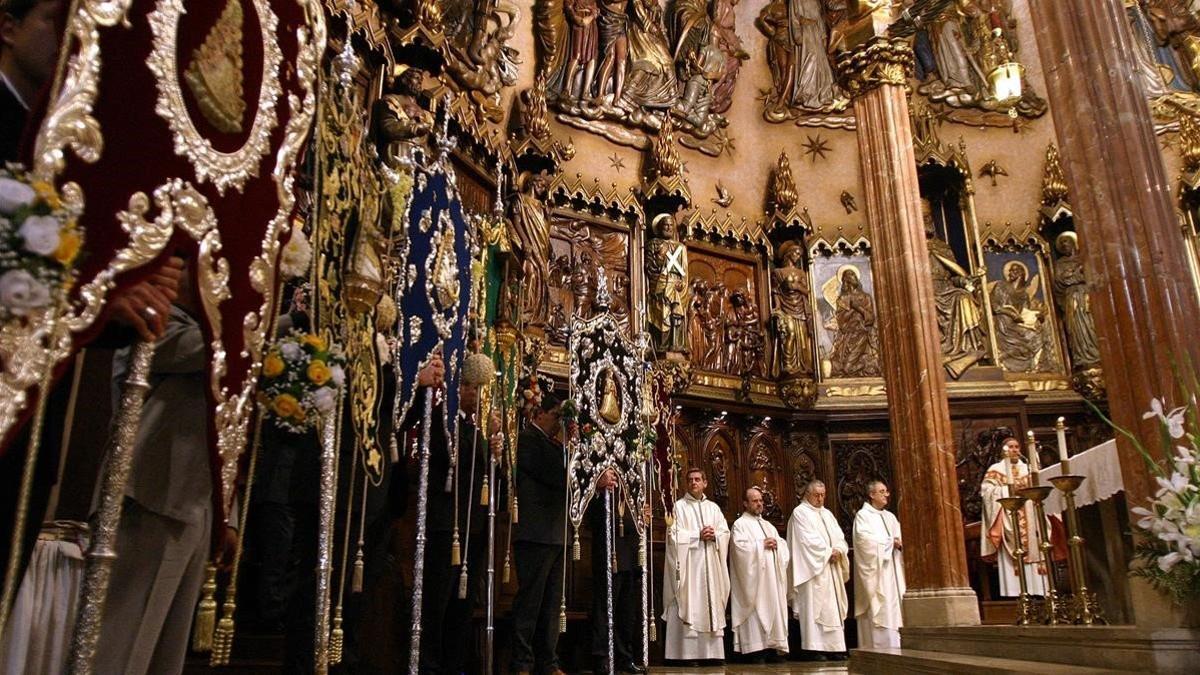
<point x="619" y="68"/>
<point x="957" y="53"/>
<point x="1026" y="336"/>
<point x="725" y="324"/>
<point x="847" y="323"/>
<point x="583" y="255"/>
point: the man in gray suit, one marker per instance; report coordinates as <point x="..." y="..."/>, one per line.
<point x="164" y="536"/>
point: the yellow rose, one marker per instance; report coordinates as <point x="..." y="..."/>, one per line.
<point x="272" y="365"/>
<point x="318" y="373"/>
<point x="48" y="194"/>
<point x="315" y="341"/>
<point x="69" y="242"/>
<point x="286" y="405"/>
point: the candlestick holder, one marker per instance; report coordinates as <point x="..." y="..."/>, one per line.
<point x="1083" y="605"/>
<point x="1025" y="610"/>
<point x="1053" y="609"/>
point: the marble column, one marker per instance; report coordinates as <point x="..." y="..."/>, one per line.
<point x="939" y="592"/>
<point x="1145" y="306"/>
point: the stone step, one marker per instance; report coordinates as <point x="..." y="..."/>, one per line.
<point x="897" y="661"/>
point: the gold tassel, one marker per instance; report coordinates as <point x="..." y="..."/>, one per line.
<point x="515" y="510"/>
<point x="653" y="630"/>
<point x="395" y="450"/>
<point x="621" y="522"/>
<point x="642" y="553"/>
<point x="206" y="612"/>
<point x="455" y="549"/>
<point x="562" y="616"/>
<point x="356" y="579"/>
<point x="462" y="584"/>
<point x="223" y="635"/>
<point x="575" y="549"/>
<point x="336" y="636"/>
<point x="484" y="492"/>
<point x="614" y="560"/>
<point x="507" y="569"/>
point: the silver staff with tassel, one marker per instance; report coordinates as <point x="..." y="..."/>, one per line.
<point x="478" y="371"/>
<point x="414" y="645"/>
<point x="102" y="551"/>
<point x="328" y="487"/>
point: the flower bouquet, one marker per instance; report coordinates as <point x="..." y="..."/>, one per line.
<point x="39" y="242"/>
<point x="300" y="378"/>
<point x="1167" y="555"/>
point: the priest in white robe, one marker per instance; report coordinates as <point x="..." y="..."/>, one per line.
<point x="758" y="566"/>
<point x="878" y="571"/>
<point x="695" y="576"/>
<point x="820" y="570"/>
<point x="999" y="540"/>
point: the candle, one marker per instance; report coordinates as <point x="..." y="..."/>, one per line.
<point x="1060" y="430"/>
<point x="1034" y="464"/>
<point x="1008" y="487"/>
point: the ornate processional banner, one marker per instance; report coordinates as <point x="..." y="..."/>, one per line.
<point x="175" y="128"/>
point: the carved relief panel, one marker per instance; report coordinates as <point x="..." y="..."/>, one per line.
<point x="719" y="454"/>
<point x="978" y="442"/>
<point x="858" y="462"/>
<point x="766" y="470"/>
<point x="582" y="255"/>
<point x="804" y="457"/>
<point x="846" y="319"/>
<point x="725" y="320"/>
<point x="1018" y="290"/>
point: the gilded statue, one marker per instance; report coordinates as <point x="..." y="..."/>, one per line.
<point x="614" y="36"/>
<point x="704" y="324"/>
<point x="956" y="52"/>
<point x="532" y="239"/>
<point x="1022" y="330"/>
<point x="855" y="350"/>
<point x="651" y="82"/>
<point x="610" y="401"/>
<point x="401" y="124"/>
<point x="791" y="290"/>
<point x="743" y="336"/>
<point x="797" y="33"/>
<point x="959" y="312"/>
<point x="1071" y="292"/>
<point x="1177" y="29"/>
<point x="666" y="271"/>
<point x="713" y="22"/>
<point x="480" y="58"/>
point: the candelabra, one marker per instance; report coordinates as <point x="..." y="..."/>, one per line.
<point x="1082" y="606"/>
<point x="1026" y="613"/>
<point x="1053" y="610"/>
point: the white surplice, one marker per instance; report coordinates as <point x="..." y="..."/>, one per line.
<point x="759" y="585"/>
<point x="997" y="530"/>
<point x="695" y="581"/>
<point x="878" y="578"/>
<point x="818" y="595"/>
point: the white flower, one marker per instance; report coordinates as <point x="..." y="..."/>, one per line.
<point x="14" y="194"/>
<point x="20" y="292"/>
<point x="1147" y="519"/>
<point x="41" y="234"/>
<point x="291" y="351"/>
<point x="323" y="399"/>
<point x="1173" y="420"/>
<point x="1168" y="561"/>
<point x="337" y="375"/>
<point x="297" y="253"/>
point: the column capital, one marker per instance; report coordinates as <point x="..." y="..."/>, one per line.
<point x="878" y="61"/>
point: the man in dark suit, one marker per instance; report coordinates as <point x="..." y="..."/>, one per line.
<point x="445" y="619"/>
<point x="28" y="53"/>
<point x="538" y="544"/>
<point x="626" y="584"/>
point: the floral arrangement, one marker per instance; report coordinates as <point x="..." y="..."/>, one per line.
<point x="296" y="255"/>
<point x="300" y="378"/>
<point x="39" y="243"/>
<point x="1168" y="553"/>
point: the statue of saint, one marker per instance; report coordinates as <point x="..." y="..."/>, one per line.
<point x="855" y="350"/>
<point x="1021" y="328"/>
<point x="584" y="45"/>
<point x="666" y="270"/>
<point x="532" y="238"/>
<point x="798" y="54"/>
<point x="790" y="288"/>
<point x="959" y="314"/>
<point x="651" y="82"/>
<point x="610" y="401"/>
<point x="401" y="124"/>
<point x="614" y="41"/>
<point x="1070" y="289"/>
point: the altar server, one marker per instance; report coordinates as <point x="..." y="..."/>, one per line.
<point x="820" y="571"/>
<point x="759" y="576"/>
<point x="878" y="571"/>
<point x="695" y="577"/>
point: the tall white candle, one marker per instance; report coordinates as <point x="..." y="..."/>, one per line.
<point x="1060" y="429"/>
<point x="1034" y="463"/>
<point x="1008" y="473"/>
